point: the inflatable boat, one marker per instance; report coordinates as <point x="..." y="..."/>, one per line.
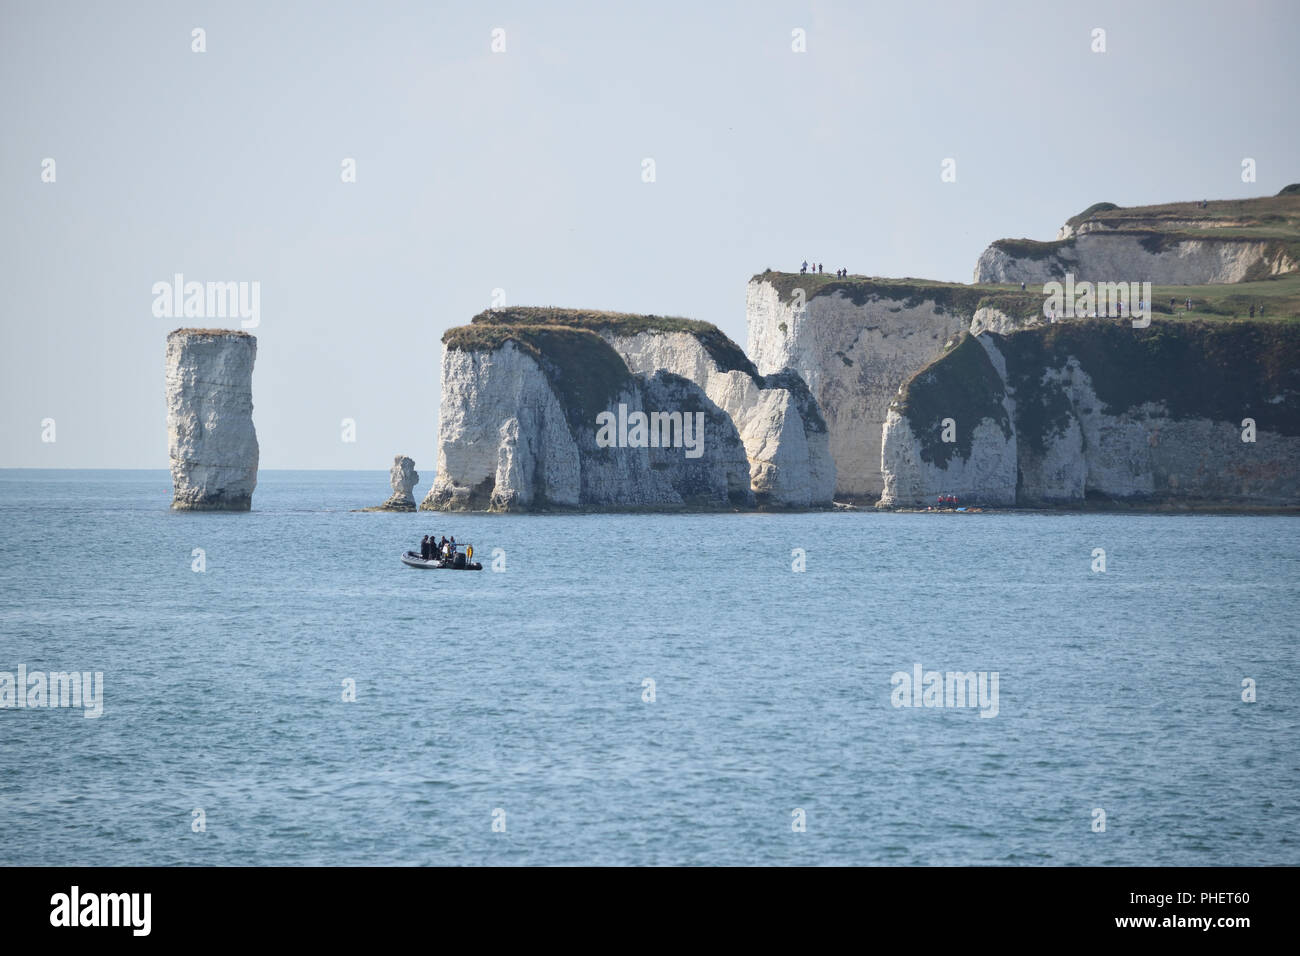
<point x="457" y="563"/>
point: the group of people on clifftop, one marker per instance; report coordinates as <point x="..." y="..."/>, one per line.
<point x="816" y="268"/>
<point x="431" y="548"/>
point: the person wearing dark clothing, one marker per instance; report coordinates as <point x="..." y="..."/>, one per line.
<point x="424" y="548"/>
<point x="1252" y="311"/>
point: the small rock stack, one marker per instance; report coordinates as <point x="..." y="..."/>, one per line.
<point x="403" y="477"/>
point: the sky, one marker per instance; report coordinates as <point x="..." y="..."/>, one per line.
<point x="523" y="170"/>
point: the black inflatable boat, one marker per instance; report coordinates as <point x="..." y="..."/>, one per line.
<point x="457" y="563"/>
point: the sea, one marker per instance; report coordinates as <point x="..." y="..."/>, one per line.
<point x="739" y="689"/>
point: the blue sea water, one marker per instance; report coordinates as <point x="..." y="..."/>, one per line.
<point x="518" y="696"/>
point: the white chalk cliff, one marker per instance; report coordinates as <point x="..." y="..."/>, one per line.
<point x="210" y="435"/>
<point x="1099" y="411"/>
<point x="519" y="426"/>
<point x="1200" y="243"/>
<point x="1100" y="256"/>
<point x="779" y="423"/>
<point x="853" y="355"/>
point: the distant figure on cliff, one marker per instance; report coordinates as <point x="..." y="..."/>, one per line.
<point x="803" y="268"/>
<point x="1252" y="310"/>
<point x="1189" y="304"/>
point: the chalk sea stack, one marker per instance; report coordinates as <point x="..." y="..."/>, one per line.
<point x="403" y="478"/>
<point x="210" y="433"/>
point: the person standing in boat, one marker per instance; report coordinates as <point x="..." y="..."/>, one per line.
<point x="442" y="548"/>
<point x="424" y="548"/>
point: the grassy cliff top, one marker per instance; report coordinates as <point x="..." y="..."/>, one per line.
<point x="908" y="293"/>
<point x="1275" y="216"/>
<point x="1274" y="219"/>
<point x="1278" y="295"/>
<point x="210" y="332"/>
<point x="583" y="370"/>
<point x="726" y="354"/>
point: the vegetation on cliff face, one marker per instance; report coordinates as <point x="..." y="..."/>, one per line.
<point x="962" y="385"/>
<point x="583" y="370"/>
<point x="1223" y="372"/>
<point x="1091" y="211"/>
<point x="726" y="354"/>
<point x="1031" y="248"/>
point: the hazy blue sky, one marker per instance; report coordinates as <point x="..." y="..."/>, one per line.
<point x="522" y="171"/>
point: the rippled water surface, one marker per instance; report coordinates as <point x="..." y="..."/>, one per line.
<point x="522" y="691"/>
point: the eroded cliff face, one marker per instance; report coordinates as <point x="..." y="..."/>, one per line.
<point x="519" y="431"/>
<point x="210" y="435"/>
<point x="1101" y="255"/>
<point x="1098" y="411"/>
<point x="782" y="429"/>
<point x="853" y="356"/>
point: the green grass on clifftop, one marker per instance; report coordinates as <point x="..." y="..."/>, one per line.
<point x="1279" y="295"/>
<point x="909" y="293"/>
<point x="726" y="354"/>
<point x="1275" y="219"/>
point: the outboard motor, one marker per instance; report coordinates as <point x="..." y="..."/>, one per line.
<point x="459" y="561"/>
